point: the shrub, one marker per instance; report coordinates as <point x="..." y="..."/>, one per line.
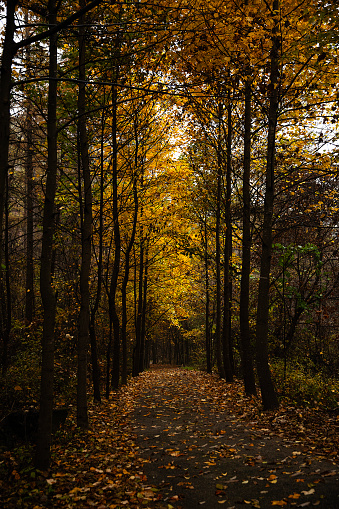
<point x="301" y="387"/>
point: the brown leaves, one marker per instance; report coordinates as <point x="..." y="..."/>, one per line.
<point x="98" y="468"/>
<point x="103" y="468"/>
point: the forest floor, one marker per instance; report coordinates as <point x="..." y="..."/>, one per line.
<point x="177" y="438"/>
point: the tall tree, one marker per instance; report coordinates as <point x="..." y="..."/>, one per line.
<point x="114" y="317"/>
<point x="85" y="203"/>
<point x="218" y="345"/>
<point x="227" y="315"/>
<point x="5" y="97"/>
<point x="42" y="454"/>
<point x="246" y="346"/>
<point x="269" y="396"/>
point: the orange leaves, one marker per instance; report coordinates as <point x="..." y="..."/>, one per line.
<point x="272" y="479"/>
<point x="295" y="496"/>
<point x="170" y="452"/>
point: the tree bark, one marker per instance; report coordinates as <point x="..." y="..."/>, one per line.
<point x="227" y="319"/>
<point x="5" y="288"/>
<point x="114" y="318"/>
<point x="85" y="202"/>
<point x="143" y="315"/>
<point x="42" y="454"/>
<point x="207" y="303"/>
<point x="5" y="96"/>
<point x="138" y="325"/>
<point x="246" y="347"/>
<point x="269" y="396"/>
<point x="29" y="305"/>
<point x="94" y="355"/>
<point x="218" y="349"/>
<point x="127" y="269"/>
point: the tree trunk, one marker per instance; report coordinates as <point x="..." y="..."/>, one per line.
<point x="94" y="355"/>
<point x="6" y="294"/>
<point x="125" y="281"/>
<point x="269" y="397"/>
<point x="117" y="248"/>
<point x="246" y="347"/>
<point x="227" y="322"/>
<point x="143" y="315"/>
<point x="138" y="325"/>
<point x="29" y="307"/>
<point x="29" y="304"/>
<point x="207" y="303"/>
<point x="85" y="201"/>
<point x="42" y="454"/>
<point x="218" y="350"/>
<point x="5" y="96"/>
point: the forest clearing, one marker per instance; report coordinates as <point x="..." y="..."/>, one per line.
<point x="169" y="195"/>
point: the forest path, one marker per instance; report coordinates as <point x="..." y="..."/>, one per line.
<point x="199" y="454"/>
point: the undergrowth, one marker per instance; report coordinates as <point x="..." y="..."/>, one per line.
<point x="304" y="388"/>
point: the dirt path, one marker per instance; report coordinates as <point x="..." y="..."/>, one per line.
<point x="198" y="453"/>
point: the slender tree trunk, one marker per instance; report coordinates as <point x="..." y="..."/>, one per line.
<point x="42" y="454"/>
<point x="108" y="360"/>
<point x="6" y="294"/>
<point x="85" y="200"/>
<point x="5" y="97"/>
<point x="117" y="249"/>
<point x="246" y="347"/>
<point x="143" y="315"/>
<point x="125" y="282"/>
<point x="94" y="358"/>
<point x="29" y="304"/>
<point x="218" y="349"/>
<point x="269" y="396"/>
<point x="94" y="355"/>
<point x="207" y="303"/>
<point x="138" y="278"/>
<point x="227" y="329"/>
<point x="29" y="307"/>
<point x="137" y="357"/>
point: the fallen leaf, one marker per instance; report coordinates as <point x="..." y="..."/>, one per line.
<point x="310" y="492"/>
<point x="295" y="496"/>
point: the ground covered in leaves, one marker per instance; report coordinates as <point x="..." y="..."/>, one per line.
<point x="182" y="438"/>
<point x="206" y="444"/>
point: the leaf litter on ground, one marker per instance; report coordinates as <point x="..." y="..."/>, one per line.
<point x="102" y="467"/>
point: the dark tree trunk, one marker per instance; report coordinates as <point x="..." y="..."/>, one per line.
<point x="42" y="454"/>
<point x="5" y="288"/>
<point x="5" y="97"/>
<point x="207" y="303"/>
<point x="218" y="349"/>
<point x="227" y="319"/>
<point x="246" y="347"/>
<point x="143" y="314"/>
<point x="29" y="307"/>
<point x="269" y="396"/>
<point x="85" y="201"/>
<point x="125" y="282"/>
<point x="138" y="325"/>
<point x="94" y="355"/>
<point x="29" y="304"/>
<point x="108" y="360"/>
<point x="114" y="318"/>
